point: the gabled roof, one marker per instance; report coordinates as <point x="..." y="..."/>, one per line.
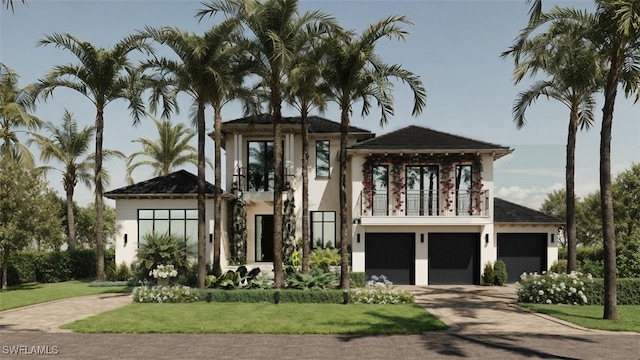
<point x="508" y="212"/>
<point x="419" y="138"/>
<point x="317" y="124"/>
<point x="177" y="184"/>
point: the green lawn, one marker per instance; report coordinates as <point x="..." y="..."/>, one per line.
<point x="35" y="293"/>
<point x="261" y="318"/>
<point x="590" y="316"/>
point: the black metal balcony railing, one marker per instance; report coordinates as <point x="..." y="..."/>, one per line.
<point x="257" y="181"/>
<point x="424" y="203"/>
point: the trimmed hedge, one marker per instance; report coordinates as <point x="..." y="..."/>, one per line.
<point x="268" y="295"/>
<point x="628" y="292"/>
<point x="53" y="266"/>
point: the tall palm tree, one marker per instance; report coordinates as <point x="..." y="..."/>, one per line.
<point x="356" y="73"/>
<point x="166" y="153"/>
<point x="102" y="76"/>
<point x="574" y="74"/>
<point x="67" y="145"/>
<point x="15" y="107"/>
<point x="9" y="4"/>
<point x="305" y="90"/>
<point x="275" y="25"/>
<point x="615" y="31"/>
<point x="204" y="71"/>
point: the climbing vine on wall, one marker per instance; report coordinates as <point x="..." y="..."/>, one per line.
<point x="238" y="234"/>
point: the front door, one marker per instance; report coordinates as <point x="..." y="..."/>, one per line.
<point x="264" y="238"/>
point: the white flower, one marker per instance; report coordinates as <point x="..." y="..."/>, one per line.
<point x="548" y="301"/>
<point x="540" y="292"/>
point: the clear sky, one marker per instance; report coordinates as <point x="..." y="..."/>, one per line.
<point x="453" y="46"/>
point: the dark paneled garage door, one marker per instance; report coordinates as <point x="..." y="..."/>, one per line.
<point x="454" y="258"/>
<point x="392" y="255"/>
<point x="522" y="253"/>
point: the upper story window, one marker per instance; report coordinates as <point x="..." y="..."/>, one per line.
<point x="322" y="158"/>
<point x="260" y="170"/>
<point x="422" y="190"/>
<point x="380" y="198"/>
<point x="182" y="223"/>
<point x="464" y="178"/>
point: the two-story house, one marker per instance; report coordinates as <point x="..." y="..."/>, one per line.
<point x="421" y="204"/>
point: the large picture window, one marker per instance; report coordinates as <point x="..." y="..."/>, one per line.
<point x="380" y="190"/>
<point x="323" y="229"/>
<point x="261" y="171"/>
<point x="322" y="158"/>
<point x="182" y="223"/>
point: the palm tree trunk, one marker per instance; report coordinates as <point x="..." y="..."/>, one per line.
<point x="276" y="101"/>
<point x="570" y="199"/>
<point x="5" y="266"/>
<point x="606" y="200"/>
<point x="344" y="255"/>
<point x="306" y="246"/>
<point x="71" y="225"/>
<point x="217" y="196"/>
<point x="98" y="202"/>
<point x="202" y="245"/>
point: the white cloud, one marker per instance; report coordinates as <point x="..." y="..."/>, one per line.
<point x="531" y="197"/>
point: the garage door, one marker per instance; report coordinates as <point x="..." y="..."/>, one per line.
<point x="392" y="255"/>
<point x="454" y="258"/>
<point x="522" y="253"/>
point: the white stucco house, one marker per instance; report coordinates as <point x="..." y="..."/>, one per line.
<point x="422" y="208"/>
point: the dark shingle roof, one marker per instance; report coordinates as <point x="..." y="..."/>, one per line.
<point x="508" y="212"/>
<point x="418" y="138"/>
<point x="180" y="182"/>
<point x="317" y="124"/>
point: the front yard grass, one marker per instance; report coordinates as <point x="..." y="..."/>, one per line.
<point x="35" y="293"/>
<point x="261" y="318"/>
<point x="590" y="316"/>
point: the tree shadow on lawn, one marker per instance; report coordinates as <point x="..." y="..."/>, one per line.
<point x="393" y="325"/>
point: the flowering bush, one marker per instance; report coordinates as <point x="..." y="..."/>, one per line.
<point x="164" y="294"/>
<point x="553" y="288"/>
<point x="378" y="281"/>
<point x="381" y="295"/>
<point x="163" y="273"/>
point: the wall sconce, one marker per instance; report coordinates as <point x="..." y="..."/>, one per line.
<point x="553" y="238"/>
<point x="422" y="238"/>
<point x="210" y="238"/>
<point x="486" y="239"/>
<point x="358" y="238"/>
<point x="357" y="221"/>
<point x="125" y="239"/>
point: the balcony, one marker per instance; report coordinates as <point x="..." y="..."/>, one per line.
<point x="418" y="205"/>
<point x="258" y="185"/>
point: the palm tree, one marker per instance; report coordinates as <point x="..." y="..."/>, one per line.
<point x="67" y="144"/>
<point x="356" y="73"/>
<point x="615" y="31"/>
<point x="15" y="107"/>
<point x="9" y="4"/>
<point x="275" y="25"/>
<point x="305" y="90"/>
<point x="102" y="76"/>
<point x="574" y="74"/>
<point x="166" y="153"/>
<point x="204" y="71"/>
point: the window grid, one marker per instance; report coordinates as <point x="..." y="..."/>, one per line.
<point x="323" y="229"/>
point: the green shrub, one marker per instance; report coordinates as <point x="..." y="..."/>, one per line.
<point x="111" y="283"/>
<point x="83" y="263"/>
<point x="315" y="279"/>
<point x="267" y="295"/>
<point x="554" y="288"/>
<point x="627" y="292"/>
<point x="357" y="279"/>
<point x="234" y="279"/>
<point x="488" y="274"/>
<point x="121" y="272"/>
<point x="499" y="273"/>
<point x="628" y="258"/>
<point x="559" y="266"/>
<point x="324" y="258"/>
<point x="162" y="249"/>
